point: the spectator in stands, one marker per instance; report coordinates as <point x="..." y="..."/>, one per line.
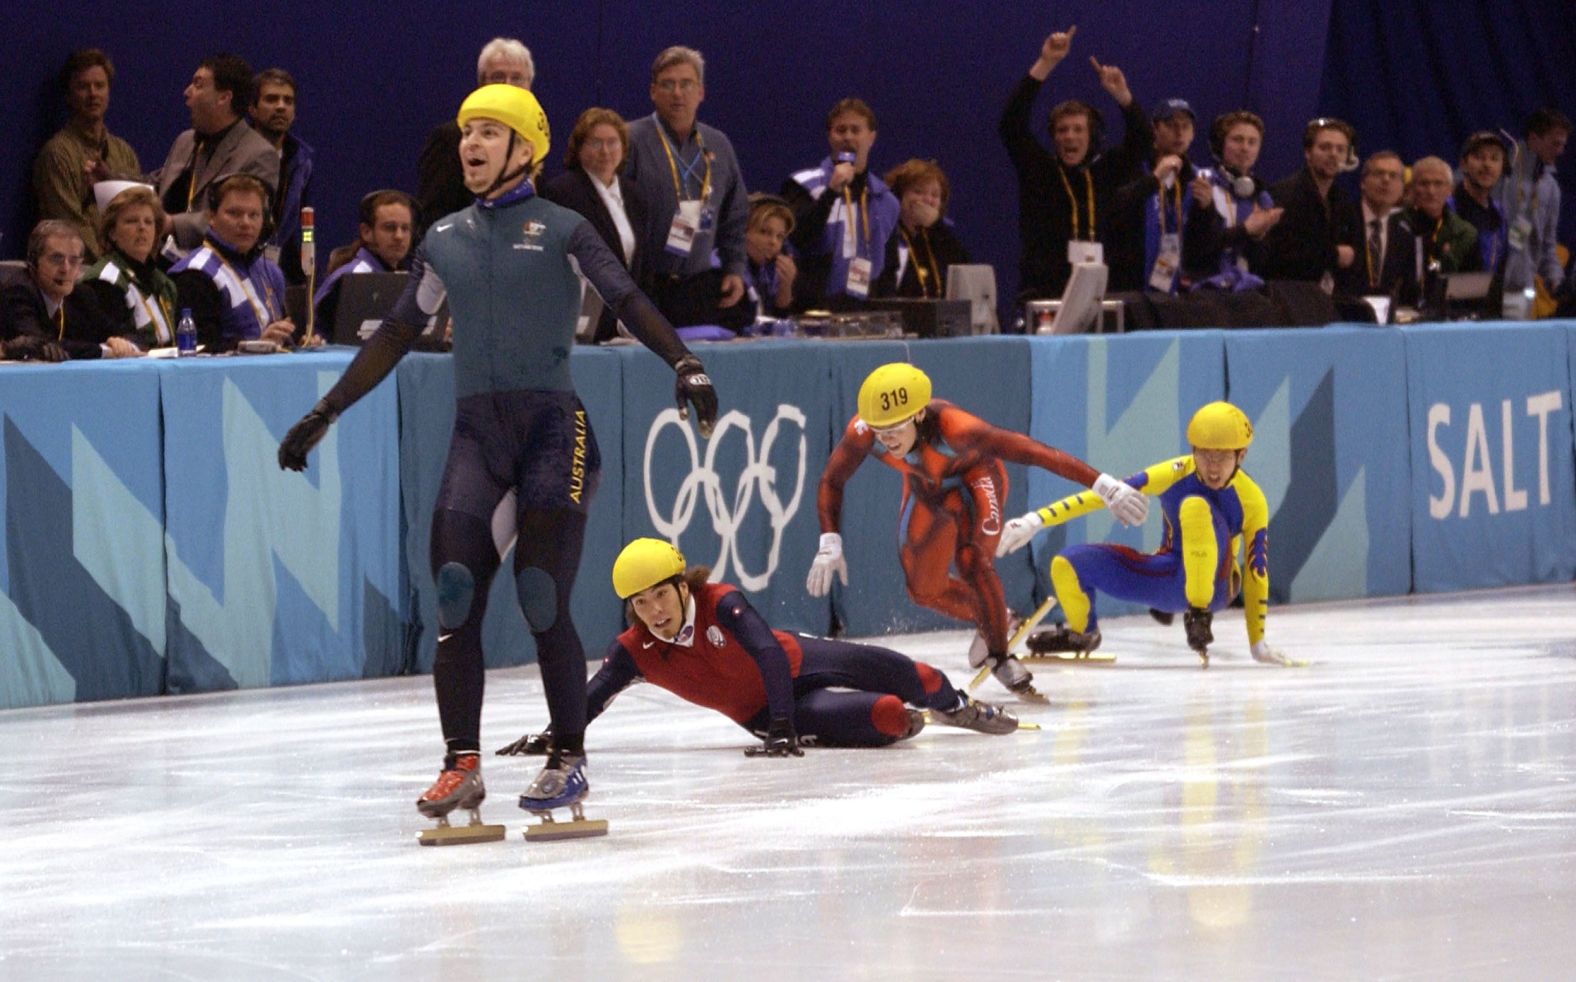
<point x="384" y="236"/>
<point x="440" y="182"/>
<point x="1066" y="198"/>
<point x="1532" y="204"/>
<point x="1308" y="242"/>
<point x="594" y="186"/>
<point x="925" y="245"/>
<point x="46" y="307"/>
<point x="84" y="151"/>
<point x="843" y="214"/>
<point x="126" y="281"/>
<point x="1380" y="234"/>
<point x="1449" y="242"/>
<point x="1482" y="166"/>
<point x="1164" y="208"/>
<point x="234" y="292"/>
<point x="273" y="113"/>
<point x="219" y="143"/>
<point x="698" y="201"/>
<point x="1228" y="252"/>
<point x="771" y="271"/>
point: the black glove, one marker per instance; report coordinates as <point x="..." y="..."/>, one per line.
<point x="693" y="388"/>
<point x="781" y="741"/>
<point x="1197" y="621"/>
<point x="305" y="435"/>
<point x="530" y="745"/>
<point x="32" y="347"/>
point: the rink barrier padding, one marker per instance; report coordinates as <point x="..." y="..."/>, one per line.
<point x="152" y="545"/>
<point x="1491" y="455"/>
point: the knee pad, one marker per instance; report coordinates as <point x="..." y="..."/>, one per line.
<point x="1070" y="593"/>
<point x="889" y="716"/>
<point x="929" y="678"/>
<point x="456" y="591"/>
<point x="538" y="594"/>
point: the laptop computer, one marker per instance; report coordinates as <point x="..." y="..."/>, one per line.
<point x="976" y="283"/>
<point x="365" y="299"/>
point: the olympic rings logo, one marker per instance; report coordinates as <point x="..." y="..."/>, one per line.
<point x="757" y="476"/>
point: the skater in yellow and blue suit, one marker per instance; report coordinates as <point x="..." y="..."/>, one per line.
<point x="1211" y="507"/>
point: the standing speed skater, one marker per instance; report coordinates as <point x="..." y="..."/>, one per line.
<point x="703" y="642"/>
<point x="949" y="519"/>
<point x="523" y="457"/>
<point x="1212" y="509"/>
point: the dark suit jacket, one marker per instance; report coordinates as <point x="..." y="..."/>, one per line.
<point x="1302" y="244"/>
<point x="1398" y="277"/>
<point x="22" y="311"/>
<point x="573" y="189"/>
<point x="440" y="180"/>
<point x="242" y="151"/>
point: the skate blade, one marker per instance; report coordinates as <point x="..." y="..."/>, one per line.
<point x="1091" y="658"/>
<point x="583" y="829"/>
<point x="461" y="835"/>
<point x="1028" y="626"/>
<point x="1027" y="726"/>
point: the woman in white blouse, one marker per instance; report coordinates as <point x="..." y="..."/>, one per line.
<point x="595" y="187"/>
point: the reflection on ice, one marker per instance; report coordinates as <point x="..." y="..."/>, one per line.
<point x="1403" y="807"/>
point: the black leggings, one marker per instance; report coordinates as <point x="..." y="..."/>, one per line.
<point x="873" y="714"/>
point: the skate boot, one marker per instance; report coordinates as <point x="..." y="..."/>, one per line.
<point x="458" y="786"/>
<point x="1050" y="640"/>
<point x="562" y="783"/>
<point x="981" y="717"/>
<point x="1197" y="621"/>
<point x="979" y="648"/>
<point x="1010" y="672"/>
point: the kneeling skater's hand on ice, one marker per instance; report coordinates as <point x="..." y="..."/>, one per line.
<point x="780" y="741"/>
<point x="1265" y="653"/>
<point x="530" y="745"/>
<point x="1122" y="500"/>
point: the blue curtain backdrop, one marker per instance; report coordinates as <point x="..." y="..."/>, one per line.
<point x="1417" y="77"/>
<point x="375" y="78"/>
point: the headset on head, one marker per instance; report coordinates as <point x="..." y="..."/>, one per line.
<point x="215" y="194"/>
<point x="364" y="211"/>
<point x="1243" y="186"/>
<point x="1311" y="132"/>
<point x="1076" y="107"/>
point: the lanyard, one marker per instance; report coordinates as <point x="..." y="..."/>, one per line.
<point x="159" y="315"/>
<point x="263" y="318"/>
<point x="1160" y="204"/>
<point x="1073" y="200"/>
<point x="1369" y="259"/>
<point x="689" y="169"/>
<point x="920" y="272"/>
<point x="864" y="212"/>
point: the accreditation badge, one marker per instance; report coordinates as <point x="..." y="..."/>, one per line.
<point x="1167" y="263"/>
<point x="858" y="278"/>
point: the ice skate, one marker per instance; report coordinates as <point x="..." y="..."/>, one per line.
<point x="1197" y="621"/>
<point x="1017" y="629"/>
<point x="1061" y="644"/>
<point x="982" y="717"/>
<point x="458" y="786"/>
<point x="562" y="783"/>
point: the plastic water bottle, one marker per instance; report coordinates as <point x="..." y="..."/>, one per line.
<point x="185" y="334"/>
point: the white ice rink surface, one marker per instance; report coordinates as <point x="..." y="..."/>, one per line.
<point x="1404" y="808"/>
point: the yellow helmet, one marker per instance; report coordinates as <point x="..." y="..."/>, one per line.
<point x="643" y="564"/>
<point x="892" y="393"/>
<point x="1220" y="426"/>
<point x="514" y="107"/>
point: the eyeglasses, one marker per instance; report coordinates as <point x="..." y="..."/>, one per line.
<point x="61" y="259"/>
<point x="684" y="85"/>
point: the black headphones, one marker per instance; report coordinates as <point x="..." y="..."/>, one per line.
<point x="1077" y="107"/>
<point x="367" y="210"/>
<point x="1311" y="133"/>
<point x="215" y="194"/>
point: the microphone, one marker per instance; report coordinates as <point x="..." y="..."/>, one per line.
<point x="309" y="266"/>
<point x="308" y="246"/>
<point x="844" y="157"/>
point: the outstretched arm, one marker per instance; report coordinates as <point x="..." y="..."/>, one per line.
<point x="618" y="672"/>
<point x="1153" y="480"/>
<point x="612" y="282"/>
